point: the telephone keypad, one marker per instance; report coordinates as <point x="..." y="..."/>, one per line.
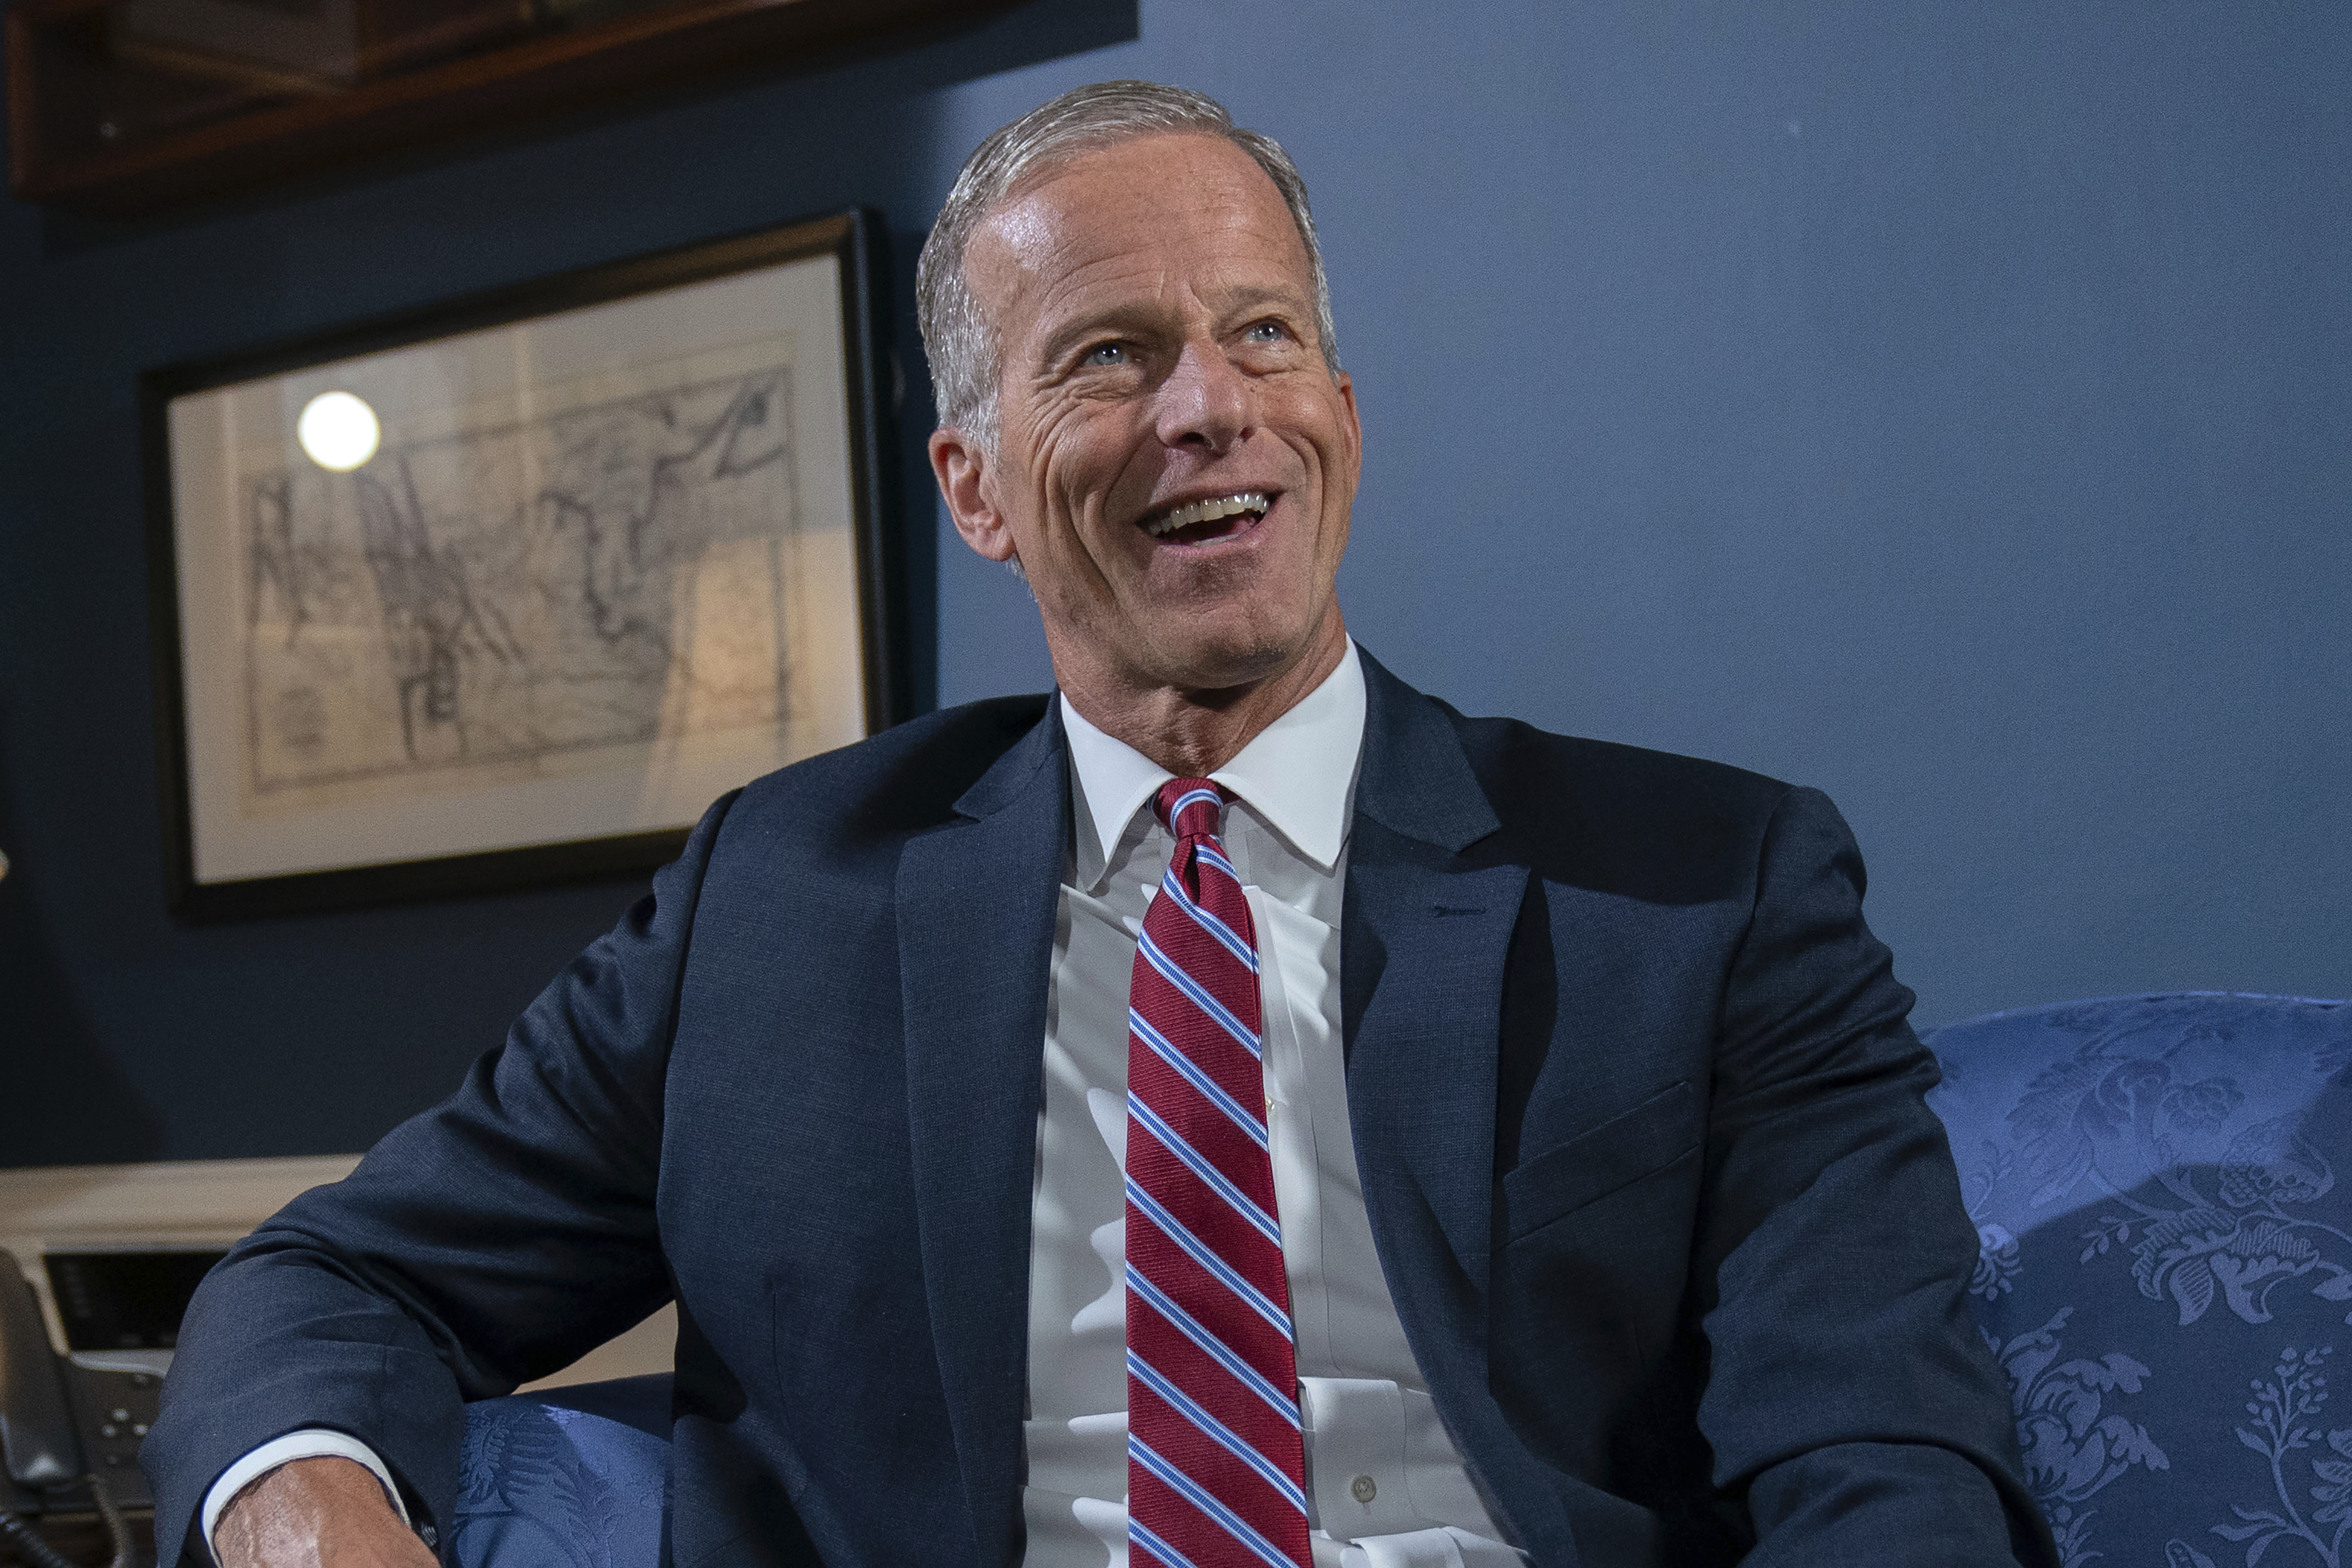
<point x="116" y="1409"/>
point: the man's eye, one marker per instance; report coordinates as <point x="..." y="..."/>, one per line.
<point x="1107" y="354"/>
<point x="1267" y="332"/>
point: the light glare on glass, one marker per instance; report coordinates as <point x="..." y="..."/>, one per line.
<point x="339" y="431"/>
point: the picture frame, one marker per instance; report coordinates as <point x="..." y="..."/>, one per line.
<point x="131" y="107"/>
<point x="592" y="550"/>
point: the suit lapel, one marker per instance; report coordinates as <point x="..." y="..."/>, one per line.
<point x="1421" y="1066"/>
<point x="976" y="903"/>
<point x="1424" y="935"/>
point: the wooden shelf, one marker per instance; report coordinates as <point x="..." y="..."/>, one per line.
<point x="126" y="106"/>
<point x="213" y="1203"/>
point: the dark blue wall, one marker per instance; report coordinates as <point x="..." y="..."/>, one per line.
<point x="1945" y="405"/>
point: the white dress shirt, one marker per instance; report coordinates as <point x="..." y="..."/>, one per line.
<point x="1385" y="1486"/>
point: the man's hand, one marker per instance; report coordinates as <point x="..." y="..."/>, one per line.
<point x="317" y="1514"/>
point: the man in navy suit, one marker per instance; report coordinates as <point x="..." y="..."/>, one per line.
<point x="1615" y="1225"/>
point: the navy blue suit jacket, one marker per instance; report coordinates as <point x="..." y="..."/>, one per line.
<point x="1673" y="1235"/>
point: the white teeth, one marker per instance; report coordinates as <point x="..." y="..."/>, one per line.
<point x="1184" y="517"/>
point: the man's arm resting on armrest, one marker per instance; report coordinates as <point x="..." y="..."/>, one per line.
<point x="1849" y="1392"/>
<point x="323" y="1512"/>
<point x="487" y="1242"/>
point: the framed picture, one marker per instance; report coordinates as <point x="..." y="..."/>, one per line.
<point x="127" y="107"/>
<point x="507" y="592"/>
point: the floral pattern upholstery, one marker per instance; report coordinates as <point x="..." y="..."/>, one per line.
<point x="574" y="1477"/>
<point x="2165" y="1269"/>
<point x="2165" y="1273"/>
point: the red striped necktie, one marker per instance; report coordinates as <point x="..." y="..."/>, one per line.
<point x="1215" y="1469"/>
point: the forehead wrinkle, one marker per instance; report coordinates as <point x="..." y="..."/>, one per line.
<point x="1037" y="227"/>
<point x="1065" y="260"/>
<point x="1033" y="277"/>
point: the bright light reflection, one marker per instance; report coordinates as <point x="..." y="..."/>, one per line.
<point x="339" y="431"/>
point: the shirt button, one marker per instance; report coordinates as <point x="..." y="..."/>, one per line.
<point x="1363" y="1489"/>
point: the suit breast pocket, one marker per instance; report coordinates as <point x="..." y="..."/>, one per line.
<point x="1659" y="1132"/>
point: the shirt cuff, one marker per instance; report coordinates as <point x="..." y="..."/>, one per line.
<point x="310" y="1443"/>
<point x="1446" y="1547"/>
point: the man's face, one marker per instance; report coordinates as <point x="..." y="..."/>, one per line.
<point x="1175" y="462"/>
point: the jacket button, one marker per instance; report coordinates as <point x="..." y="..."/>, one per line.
<point x="1363" y="1489"/>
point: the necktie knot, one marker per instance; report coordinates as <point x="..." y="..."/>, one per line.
<point x="1190" y="808"/>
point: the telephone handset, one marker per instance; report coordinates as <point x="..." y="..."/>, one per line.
<point x="39" y="1442"/>
<point x="35" y="1424"/>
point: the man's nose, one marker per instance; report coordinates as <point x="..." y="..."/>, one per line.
<point x="1204" y="402"/>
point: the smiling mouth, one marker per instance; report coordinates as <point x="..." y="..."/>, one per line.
<point x="1219" y="517"/>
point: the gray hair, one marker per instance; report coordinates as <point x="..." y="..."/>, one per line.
<point x="967" y="359"/>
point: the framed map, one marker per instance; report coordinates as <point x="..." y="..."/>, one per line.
<point x="510" y="591"/>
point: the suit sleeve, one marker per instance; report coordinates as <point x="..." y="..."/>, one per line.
<point x="490" y="1241"/>
<point x="1850" y="1394"/>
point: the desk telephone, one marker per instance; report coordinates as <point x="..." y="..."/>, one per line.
<point x="70" y="1424"/>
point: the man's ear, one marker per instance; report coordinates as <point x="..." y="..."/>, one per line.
<point x="1355" y="423"/>
<point x="961" y="468"/>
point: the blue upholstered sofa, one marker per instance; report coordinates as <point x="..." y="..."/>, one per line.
<point x="2165" y="1273"/>
<point x="2166" y="1267"/>
<point x="574" y="1477"/>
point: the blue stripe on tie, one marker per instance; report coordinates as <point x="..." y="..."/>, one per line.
<point x="1200" y="1253"/>
<point x="1216" y="857"/>
<point x="1198" y="1163"/>
<point x="1197" y="993"/>
<point x="1191" y="1491"/>
<point x="1224" y="1437"/>
<point x="1150" y="1541"/>
<point x="1209" y="1089"/>
<point x="1210" y="1345"/>
<point x="1225" y="935"/>
<point x="1177" y="809"/>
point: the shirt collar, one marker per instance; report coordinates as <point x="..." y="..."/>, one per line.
<point x="1297" y="776"/>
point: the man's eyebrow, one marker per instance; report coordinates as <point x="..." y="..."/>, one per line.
<point x="1111" y="319"/>
<point x="1248" y="298"/>
<point x="1241" y="300"/>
